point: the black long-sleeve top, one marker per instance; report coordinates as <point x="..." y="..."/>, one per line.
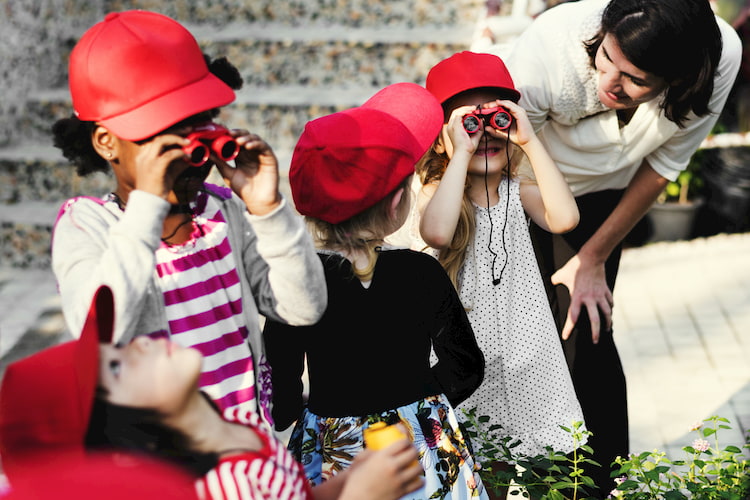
<point x="370" y="352"/>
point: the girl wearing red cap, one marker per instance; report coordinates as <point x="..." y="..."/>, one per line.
<point x="68" y="404"/>
<point x="185" y="259"/>
<point x="474" y="211"/>
<point x="368" y="358"/>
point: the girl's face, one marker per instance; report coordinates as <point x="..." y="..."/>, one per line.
<point x="149" y="373"/>
<point x="621" y="84"/>
<point x="154" y="162"/>
<point x="491" y="152"/>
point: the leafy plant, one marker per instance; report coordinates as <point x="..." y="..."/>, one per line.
<point x="689" y="183"/>
<point x="553" y="476"/>
<point x="708" y="472"/>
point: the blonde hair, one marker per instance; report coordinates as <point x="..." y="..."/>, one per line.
<point x="430" y="170"/>
<point x="362" y="232"/>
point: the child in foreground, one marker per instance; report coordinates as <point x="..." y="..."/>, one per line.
<point x="87" y="396"/>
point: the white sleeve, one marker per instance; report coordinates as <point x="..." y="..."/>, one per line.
<point x="91" y="247"/>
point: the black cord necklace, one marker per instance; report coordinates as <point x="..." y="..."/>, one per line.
<point x="497" y="281"/>
<point x="166" y="239"/>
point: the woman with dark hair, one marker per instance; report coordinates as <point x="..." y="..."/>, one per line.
<point x="622" y="93"/>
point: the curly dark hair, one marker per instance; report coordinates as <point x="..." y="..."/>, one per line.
<point x="73" y="136"/>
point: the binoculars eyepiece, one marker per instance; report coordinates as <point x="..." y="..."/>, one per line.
<point x="210" y="137"/>
<point x="498" y="117"/>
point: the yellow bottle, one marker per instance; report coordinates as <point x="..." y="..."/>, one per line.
<point x="379" y="435"/>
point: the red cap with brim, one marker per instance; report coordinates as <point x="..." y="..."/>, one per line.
<point x="346" y="162"/>
<point x="467" y="71"/>
<point x="138" y="73"/>
<point x="46" y="398"/>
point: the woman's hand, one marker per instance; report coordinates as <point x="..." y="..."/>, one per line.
<point x="587" y="285"/>
<point x="255" y="178"/>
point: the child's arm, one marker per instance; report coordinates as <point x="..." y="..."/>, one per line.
<point x="440" y="203"/>
<point x="460" y="366"/>
<point x="281" y="265"/>
<point x="255" y="178"/>
<point x="548" y="201"/>
<point x="285" y="352"/>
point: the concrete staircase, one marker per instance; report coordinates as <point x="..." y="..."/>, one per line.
<point x="299" y="60"/>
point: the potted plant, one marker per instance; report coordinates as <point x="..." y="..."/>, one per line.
<point x="673" y="214"/>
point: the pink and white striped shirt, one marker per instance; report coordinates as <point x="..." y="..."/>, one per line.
<point x="203" y="303"/>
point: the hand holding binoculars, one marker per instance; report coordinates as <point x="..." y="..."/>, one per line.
<point x="210" y="137"/>
<point x="498" y="117"/>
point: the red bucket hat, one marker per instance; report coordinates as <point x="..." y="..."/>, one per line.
<point x="46" y="398"/>
<point x="138" y="73"/>
<point x="469" y="70"/>
<point x="346" y="162"/>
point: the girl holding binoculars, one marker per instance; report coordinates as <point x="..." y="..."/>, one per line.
<point x="185" y="259"/>
<point x="474" y="211"/>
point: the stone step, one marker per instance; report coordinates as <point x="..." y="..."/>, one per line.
<point x="272" y="55"/>
<point x="26" y="226"/>
<point x="280" y="65"/>
<point x="321" y="56"/>
<point x="277" y="114"/>
<point x="351" y="13"/>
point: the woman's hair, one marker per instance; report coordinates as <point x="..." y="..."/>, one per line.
<point x="677" y="40"/>
<point x="140" y="430"/>
<point x="363" y="231"/>
<point x="430" y="170"/>
<point x="73" y="136"/>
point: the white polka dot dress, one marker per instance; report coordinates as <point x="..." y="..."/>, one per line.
<point x="527" y="388"/>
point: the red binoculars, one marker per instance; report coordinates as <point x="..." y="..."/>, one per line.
<point x="210" y="137"/>
<point x="499" y="118"/>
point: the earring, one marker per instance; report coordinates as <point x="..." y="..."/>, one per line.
<point x="109" y="155"/>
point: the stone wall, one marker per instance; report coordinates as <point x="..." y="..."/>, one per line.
<point x="32" y="33"/>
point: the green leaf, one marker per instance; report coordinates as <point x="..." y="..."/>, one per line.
<point x="674" y="495"/>
<point x="628" y="484"/>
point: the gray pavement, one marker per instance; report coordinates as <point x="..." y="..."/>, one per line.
<point x="682" y="325"/>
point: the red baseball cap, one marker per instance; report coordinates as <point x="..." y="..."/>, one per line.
<point x="46" y="398"/>
<point x="110" y="475"/>
<point x="138" y="73"/>
<point x="346" y="162"/>
<point x="469" y="70"/>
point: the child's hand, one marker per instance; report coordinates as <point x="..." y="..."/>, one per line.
<point x="384" y="474"/>
<point x="256" y="176"/>
<point x="521" y="130"/>
<point x="156" y="165"/>
<point x="461" y="140"/>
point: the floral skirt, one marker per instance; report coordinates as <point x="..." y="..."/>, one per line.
<point x="326" y="445"/>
